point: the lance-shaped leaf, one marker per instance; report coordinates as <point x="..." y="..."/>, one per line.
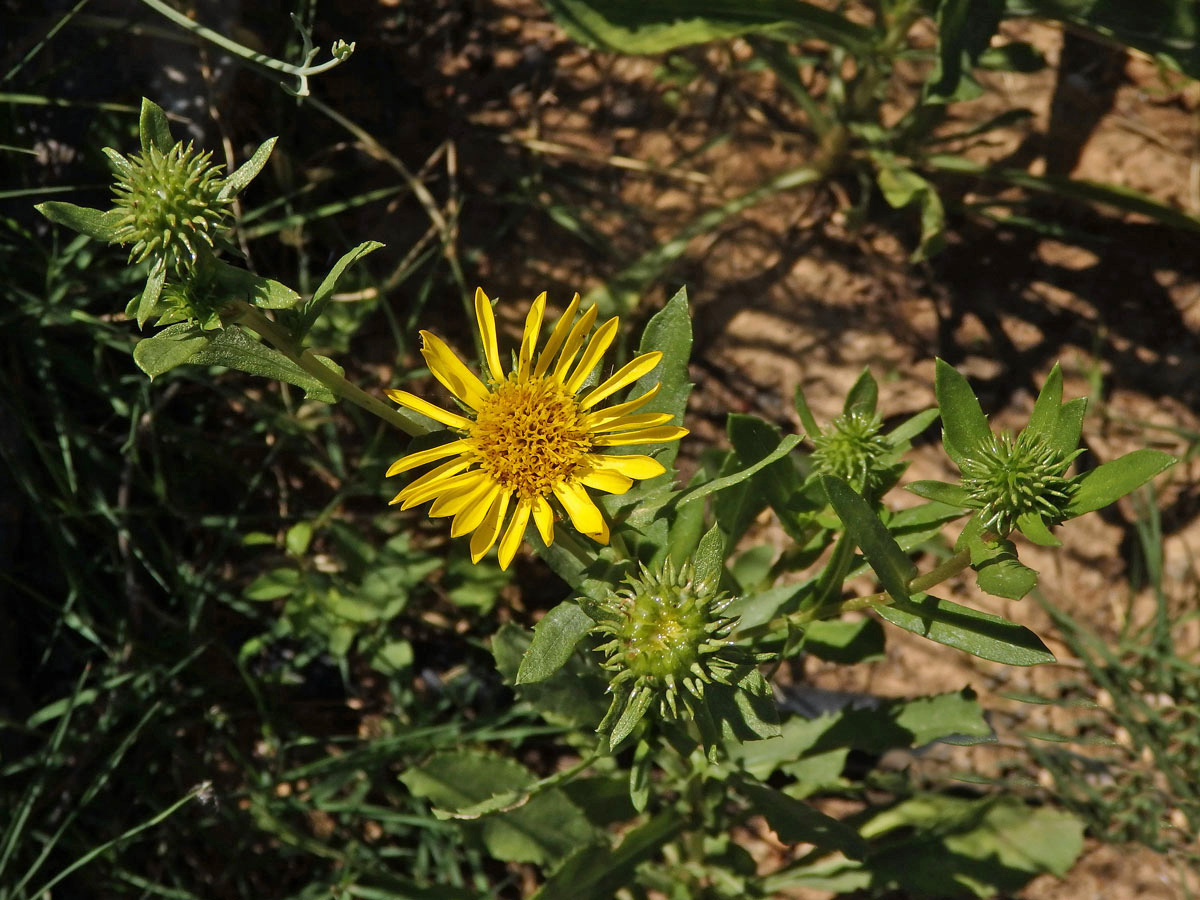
<point x="237" y="350"/>
<point x="311" y="311"/>
<point x="169" y="348"/>
<point x="1110" y="481"/>
<point x="84" y="219"/>
<point x="891" y="564"/>
<point x="964" y="427"/>
<point x="153" y="128"/>
<point x="247" y="171"/>
<point x="978" y="633"/>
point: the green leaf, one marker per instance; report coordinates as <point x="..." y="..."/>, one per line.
<point x="911" y="427"/>
<point x="811" y="428"/>
<point x="254" y="289"/>
<point x="669" y="332"/>
<point x="461" y="780"/>
<point x="1037" y="531"/>
<point x="629" y="26"/>
<point x="639" y="775"/>
<point x="273" y="585"/>
<point x="745" y="710"/>
<point x="863" y="394"/>
<point x="845" y="642"/>
<point x="797" y="822"/>
<point x="978" y="633"/>
<point x="964" y="427"/>
<point x="298" y="538"/>
<point x="543" y="831"/>
<point x="785" y="447"/>
<point x="576" y="697"/>
<point x="892" y="566"/>
<point x="1089" y="192"/>
<point x="901" y="186"/>
<point x="1044" y="418"/>
<point x="150" y="294"/>
<point x="597" y="873"/>
<point x="965" y="29"/>
<point x="1112" y="480"/>
<point x="779" y="484"/>
<point x="394" y="658"/>
<point x="1065" y="438"/>
<point x="312" y="310"/>
<point x="636" y="705"/>
<point x="998" y="571"/>
<point x="153" y="128"/>
<point x="709" y="562"/>
<point x="235" y="349"/>
<point x="95" y="223"/>
<point x="950" y="494"/>
<point x="554" y="640"/>
<point x="169" y="348"/>
<point x="246" y="172"/>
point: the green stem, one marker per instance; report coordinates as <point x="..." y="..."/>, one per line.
<point x="283" y="341"/>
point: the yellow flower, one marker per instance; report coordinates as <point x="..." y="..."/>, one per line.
<point x="529" y="435"/>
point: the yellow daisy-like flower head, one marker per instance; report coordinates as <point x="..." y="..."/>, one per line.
<point x="530" y="435"/>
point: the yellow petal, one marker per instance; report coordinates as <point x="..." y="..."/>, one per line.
<point x="645" y="436"/>
<point x="487" y="331"/>
<point x="634" y="465"/>
<point x="404" y="463"/>
<point x="596" y="349"/>
<point x="585" y="516"/>
<point x="514" y="532"/>
<point x="489" y="529"/>
<point x="629" y="423"/>
<point x="425" y="408"/>
<point x="543" y="518"/>
<point x="604" y="416"/>
<point x="574" y="342"/>
<point x="627" y="374"/>
<point x="469" y="517"/>
<point x="467" y="481"/>
<point x="451" y="372"/>
<point x="557" y="336"/>
<point x="607" y="481"/>
<point x="529" y="338"/>
<point x="601" y="536"/>
<point x="441" y="473"/>
<point x="451" y="502"/>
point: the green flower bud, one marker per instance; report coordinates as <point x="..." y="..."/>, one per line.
<point x="667" y="639"/>
<point x="171" y="204"/>
<point x="1006" y="479"/>
<point x="852" y="449"/>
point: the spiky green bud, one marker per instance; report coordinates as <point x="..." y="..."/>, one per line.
<point x="1006" y="479"/>
<point x="852" y="449"/>
<point x="666" y="640"/>
<point x="170" y="203"/>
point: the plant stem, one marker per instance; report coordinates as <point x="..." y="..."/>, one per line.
<point x="283" y="341"/>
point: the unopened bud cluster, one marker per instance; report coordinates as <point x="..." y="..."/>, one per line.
<point x="172" y="204"/>
<point x="852" y="448"/>
<point x="1008" y="478"/>
<point x="667" y="635"/>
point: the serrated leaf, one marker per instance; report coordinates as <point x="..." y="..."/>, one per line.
<point x="978" y="633"/>
<point x="576" y="696"/>
<point x="95" y="223"/>
<point x="892" y="566"/>
<point x="169" y="348"/>
<point x="797" y="822"/>
<point x="153" y="128"/>
<point x="235" y="349"/>
<point x="554" y="640"/>
<point x="629" y="26"/>
<point x="1112" y="480"/>
<point x="544" y="830"/>
<point x="254" y="289"/>
<point x="964" y="427"/>
<point x="247" y="171"/>
<point x="463" y="779"/>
